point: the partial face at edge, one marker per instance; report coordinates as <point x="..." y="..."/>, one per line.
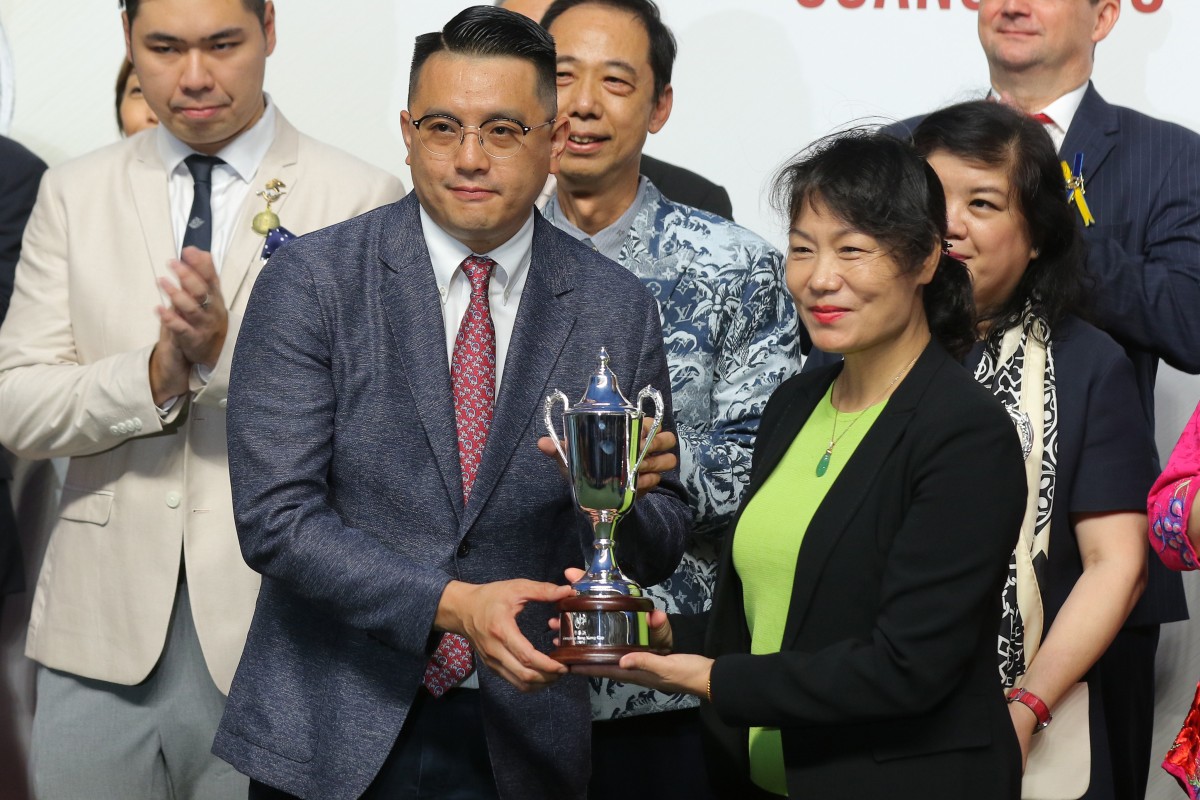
<point x="534" y="9"/>
<point x="136" y="114"/>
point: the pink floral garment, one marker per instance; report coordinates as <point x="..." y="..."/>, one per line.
<point x="1183" y="759"/>
<point x="1168" y="506"/>
<point x="1170" y="500"/>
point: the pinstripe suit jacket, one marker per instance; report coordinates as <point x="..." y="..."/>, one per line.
<point x="1143" y="185"/>
<point x="348" y="499"/>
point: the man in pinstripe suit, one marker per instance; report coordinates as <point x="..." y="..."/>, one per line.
<point x="1142" y="226"/>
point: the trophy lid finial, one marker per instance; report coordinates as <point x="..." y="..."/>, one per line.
<point x="603" y="393"/>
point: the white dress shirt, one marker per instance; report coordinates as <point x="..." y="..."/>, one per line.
<point x="231" y="181"/>
<point x="1062" y="111"/>
<point x="504" y="290"/>
<point x="504" y="296"/>
<point x="231" y="184"/>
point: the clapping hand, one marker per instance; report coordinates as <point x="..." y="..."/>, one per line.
<point x="196" y="317"/>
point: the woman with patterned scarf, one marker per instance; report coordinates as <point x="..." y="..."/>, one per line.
<point x="1080" y="563"/>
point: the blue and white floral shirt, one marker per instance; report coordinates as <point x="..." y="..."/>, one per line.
<point x="731" y="335"/>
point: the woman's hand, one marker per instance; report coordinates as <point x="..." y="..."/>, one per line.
<point x="659" y="624"/>
<point x="1024" y="721"/>
<point x="679" y="672"/>
<point x="661" y="671"/>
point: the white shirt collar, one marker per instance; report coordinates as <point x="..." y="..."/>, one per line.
<point x="446" y="254"/>
<point x="243" y="155"/>
<point x="1062" y="111"/>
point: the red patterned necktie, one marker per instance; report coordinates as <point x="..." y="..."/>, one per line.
<point x="473" y="380"/>
<point x="1042" y="118"/>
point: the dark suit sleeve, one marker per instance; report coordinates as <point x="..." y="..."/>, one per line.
<point x="20" y="173"/>
<point x="940" y="584"/>
<point x="687" y="187"/>
<point x="651" y="538"/>
<point x="716" y="199"/>
<point x="1116" y="463"/>
<point x="1148" y="298"/>
<point x="280" y="424"/>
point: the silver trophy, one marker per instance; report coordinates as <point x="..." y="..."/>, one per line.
<point x="606" y="617"/>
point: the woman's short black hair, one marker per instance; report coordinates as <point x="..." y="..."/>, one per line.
<point x="879" y="186"/>
<point x="994" y="135"/>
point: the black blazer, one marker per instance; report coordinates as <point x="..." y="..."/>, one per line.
<point x="887" y="675"/>
<point x="684" y="186"/>
<point x="20" y="173"/>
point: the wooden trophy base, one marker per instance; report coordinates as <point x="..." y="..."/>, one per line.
<point x="616" y="620"/>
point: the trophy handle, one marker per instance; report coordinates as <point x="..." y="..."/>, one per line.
<point x="557" y="396"/>
<point x="656" y="396"/>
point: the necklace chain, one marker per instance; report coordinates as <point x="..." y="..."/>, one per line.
<point x="834" y="438"/>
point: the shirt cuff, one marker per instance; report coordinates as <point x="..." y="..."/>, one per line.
<point x="164" y="410"/>
<point x="202" y="374"/>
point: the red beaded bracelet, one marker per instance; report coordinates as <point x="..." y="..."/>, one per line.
<point x="1034" y="704"/>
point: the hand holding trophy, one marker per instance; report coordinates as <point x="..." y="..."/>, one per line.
<point x="607" y="616"/>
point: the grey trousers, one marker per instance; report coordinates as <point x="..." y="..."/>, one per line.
<point x="104" y="741"/>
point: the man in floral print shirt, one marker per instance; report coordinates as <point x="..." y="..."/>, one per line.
<point x="729" y="325"/>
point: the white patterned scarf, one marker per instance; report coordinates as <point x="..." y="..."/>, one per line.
<point x="1014" y="359"/>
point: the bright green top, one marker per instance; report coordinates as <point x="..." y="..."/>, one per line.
<point x="767" y="542"/>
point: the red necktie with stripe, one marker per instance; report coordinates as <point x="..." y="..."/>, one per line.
<point x="473" y="380"/>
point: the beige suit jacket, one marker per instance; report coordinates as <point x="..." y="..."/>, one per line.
<point x="74" y="381"/>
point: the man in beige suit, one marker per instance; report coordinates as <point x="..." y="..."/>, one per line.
<point x="143" y="602"/>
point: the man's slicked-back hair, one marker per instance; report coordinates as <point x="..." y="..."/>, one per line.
<point x="256" y="7"/>
<point x="488" y="31"/>
<point x="662" y="42"/>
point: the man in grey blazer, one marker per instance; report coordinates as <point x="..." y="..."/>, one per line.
<point x="143" y="601"/>
<point x="389" y="483"/>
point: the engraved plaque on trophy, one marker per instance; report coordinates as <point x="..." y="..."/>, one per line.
<point x="606" y="618"/>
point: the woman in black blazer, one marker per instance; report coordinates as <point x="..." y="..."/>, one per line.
<point x="869" y="669"/>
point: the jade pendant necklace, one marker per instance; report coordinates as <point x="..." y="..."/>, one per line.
<point x="834" y="437"/>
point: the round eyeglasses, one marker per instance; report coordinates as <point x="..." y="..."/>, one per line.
<point x="442" y="135"/>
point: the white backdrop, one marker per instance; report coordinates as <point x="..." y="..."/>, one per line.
<point x="798" y="68"/>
